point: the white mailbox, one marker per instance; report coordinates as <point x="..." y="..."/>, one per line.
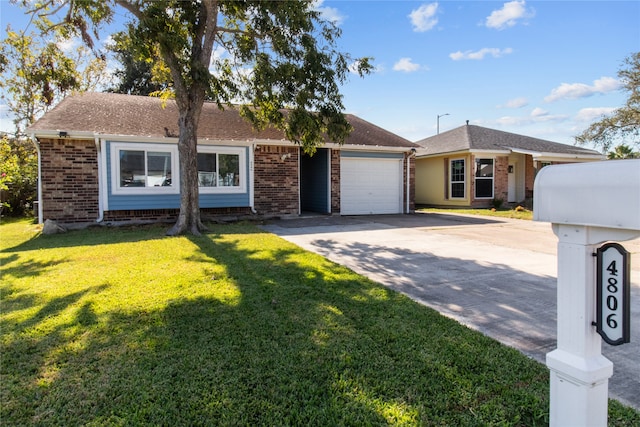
<point x="602" y="194"/>
<point x="587" y="204"/>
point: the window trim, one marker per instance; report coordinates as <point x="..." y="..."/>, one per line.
<point x="117" y="189"/>
<point x="492" y="178"/>
<point x="464" y="179"/>
<point x="242" y="167"/>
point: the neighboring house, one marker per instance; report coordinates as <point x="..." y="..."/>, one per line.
<point x="112" y="158"/>
<point x="471" y="166"/>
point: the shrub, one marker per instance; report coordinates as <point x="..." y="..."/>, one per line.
<point x="497" y="203"/>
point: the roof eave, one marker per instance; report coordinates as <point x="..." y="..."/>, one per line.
<point x="461" y="152"/>
<point x="58" y="133"/>
<point x="356" y="147"/>
<point x="562" y="157"/>
<point x="447" y="153"/>
<point x="488" y="151"/>
<point x="551" y="156"/>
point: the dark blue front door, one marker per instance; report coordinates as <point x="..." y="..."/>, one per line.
<point x="314" y="182"/>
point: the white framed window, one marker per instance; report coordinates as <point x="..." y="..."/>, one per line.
<point x="457" y="179"/>
<point x="484" y="178"/>
<point x="138" y="168"/>
<point x="221" y="169"/>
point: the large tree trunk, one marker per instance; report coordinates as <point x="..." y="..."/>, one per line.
<point x="189" y="217"/>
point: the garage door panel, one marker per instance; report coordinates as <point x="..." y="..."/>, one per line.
<point x="370" y="186"/>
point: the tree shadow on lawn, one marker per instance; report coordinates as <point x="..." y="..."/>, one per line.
<point x="15" y="266"/>
<point x="91" y="236"/>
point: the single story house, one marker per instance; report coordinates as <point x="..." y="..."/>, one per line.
<point x="473" y="166"/>
<point x="111" y="158"/>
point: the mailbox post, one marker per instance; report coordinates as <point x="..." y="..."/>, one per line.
<point x="587" y="204"/>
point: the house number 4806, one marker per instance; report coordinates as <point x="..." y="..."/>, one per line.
<point x="612" y="298"/>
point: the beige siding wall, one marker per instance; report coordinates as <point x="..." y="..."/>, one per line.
<point x="432" y="183"/>
<point x="429" y="178"/>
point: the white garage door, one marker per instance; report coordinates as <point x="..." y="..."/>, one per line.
<point x="370" y="186"/>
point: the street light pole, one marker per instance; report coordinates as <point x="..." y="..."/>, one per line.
<point x="438" y="122"/>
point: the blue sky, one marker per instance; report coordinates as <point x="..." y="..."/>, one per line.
<point x="540" y="68"/>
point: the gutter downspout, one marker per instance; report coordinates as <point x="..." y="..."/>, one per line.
<point x="100" y="191"/>
<point x="299" y="182"/>
<point x="39" y="189"/>
<point x="251" y="183"/>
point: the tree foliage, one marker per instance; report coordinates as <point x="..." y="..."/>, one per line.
<point x="36" y="72"/>
<point x="18" y="175"/>
<point x="623" y="125"/>
<point x="137" y="74"/>
<point x="269" y="56"/>
<point x="35" y="75"/>
<point x="623" y="151"/>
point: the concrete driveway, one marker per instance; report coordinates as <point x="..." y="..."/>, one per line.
<point x="497" y="276"/>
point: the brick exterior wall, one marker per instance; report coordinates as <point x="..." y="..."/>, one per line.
<point x="69" y="180"/>
<point x="501" y="178"/>
<point x="411" y="161"/>
<point x="276" y="180"/>
<point x="335" y="181"/>
<point x="529" y="177"/>
<point x="171" y="215"/>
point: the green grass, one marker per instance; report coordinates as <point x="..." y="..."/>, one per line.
<point x="109" y="327"/>
<point x="501" y="213"/>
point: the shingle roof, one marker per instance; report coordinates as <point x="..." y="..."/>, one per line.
<point x="129" y="115"/>
<point x="472" y="137"/>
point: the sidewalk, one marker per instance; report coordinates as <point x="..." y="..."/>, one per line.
<point x="496" y="276"/>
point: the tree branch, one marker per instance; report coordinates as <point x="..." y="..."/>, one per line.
<point x="135" y="10"/>
<point x="211" y="27"/>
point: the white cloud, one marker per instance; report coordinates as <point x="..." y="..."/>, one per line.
<point x="69" y="46"/>
<point x="582" y="90"/>
<point x="406" y="65"/>
<point x="508" y="16"/>
<point x="515" y="103"/>
<point x="594" y="113"/>
<point x="480" y="54"/>
<point x="219" y="52"/>
<point x="539" y="112"/>
<point x="537" y="115"/>
<point x="329" y="13"/>
<point x="109" y="41"/>
<point x="424" y="18"/>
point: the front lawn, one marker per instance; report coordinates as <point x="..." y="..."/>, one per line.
<point x="127" y="326"/>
